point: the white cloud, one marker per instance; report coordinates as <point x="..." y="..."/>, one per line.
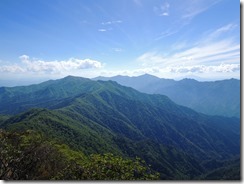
<point x="151" y="58"/>
<point x="209" y="50"/>
<point x="166" y="33"/>
<point x="181" y="14"/>
<point x="219" y="32"/>
<point x="162" y="10"/>
<point x="112" y="22"/>
<point x="11" y="69"/>
<point x="213" y="72"/>
<point x="212" y="53"/>
<point x="190" y="8"/>
<point x="225" y="28"/>
<point x="209" y="57"/>
<point x="105" y="30"/>
<point x="108" y="23"/>
<point x="179" y="45"/>
<point x="24" y="58"/>
<point x="50" y="67"/>
<point x="102" y="30"/>
<point x="117" y="49"/>
<point x="222" y="68"/>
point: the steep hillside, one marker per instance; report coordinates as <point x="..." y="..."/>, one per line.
<point x="213" y="98"/>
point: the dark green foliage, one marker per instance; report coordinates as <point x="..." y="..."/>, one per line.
<point x="3" y="118"/>
<point x="63" y="129"/>
<point x="85" y="140"/>
<point x="225" y="173"/>
<point x="223" y="170"/>
<point x="170" y="162"/>
<point x="28" y="156"/>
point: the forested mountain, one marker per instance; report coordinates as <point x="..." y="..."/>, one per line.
<point x="213" y="98"/>
<point x="104" y="117"/>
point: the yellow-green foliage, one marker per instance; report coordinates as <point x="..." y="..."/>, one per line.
<point x="106" y="167"/>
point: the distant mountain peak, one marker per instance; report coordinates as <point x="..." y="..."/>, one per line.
<point x="147" y="75"/>
<point x="74" y="78"/>
<point x="71" y="77"/>
<point x="120" y="76"/>
<point x="189" y="80"/>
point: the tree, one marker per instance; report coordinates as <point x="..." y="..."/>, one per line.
<point x="109" y="167"/>
<point x="26" y="156"/>
<point x="29" y="156"/>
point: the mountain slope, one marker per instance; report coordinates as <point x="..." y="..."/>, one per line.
<point x="89" y="138"/>
<point x="47" y="94"/>
<point x="157" y="118"/>
<point x="213" y="98"/>
<point x="107" y="117"/>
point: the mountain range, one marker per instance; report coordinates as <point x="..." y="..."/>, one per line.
<point x="212" y="97"/>
<point x="106" y="117"/>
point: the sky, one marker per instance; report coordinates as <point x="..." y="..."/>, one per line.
<point x="49" y="39"/>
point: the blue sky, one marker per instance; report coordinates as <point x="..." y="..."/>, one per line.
<point x="88" y="38"/>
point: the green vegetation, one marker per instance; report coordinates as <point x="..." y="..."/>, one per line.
<point x="29" y="156"/>
<point x="90" y="122"/>
<point x="3" y="118"/>
<point x="213" y="98"/>
<point x="53" y="125"/>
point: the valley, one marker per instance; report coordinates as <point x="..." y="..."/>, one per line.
<point x="103" y="117"/>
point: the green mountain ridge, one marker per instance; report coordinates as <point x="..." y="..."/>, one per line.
<point x="101" y="117"/>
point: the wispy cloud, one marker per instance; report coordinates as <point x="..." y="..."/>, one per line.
<point x="40" y="66"/>
<point x="117" y="49"/>
<point x="105" y="25"/>
<point x="190" y="9"/>
<point x="166" y="33"/>
<point x="162" y="10"/>
<point x="181" y="15"/>
<point x="11" y="69"/>
<point x="179" y="45"/>
<point x="137" y="2"/>
<point x="112" y="22"/>
<point x="105" y="30"/>
<point x="202" y="54"/>
<point x="218" y="32"/>
<point x="222" y="68"/>
<point x="225" y="28"/>
<point x="102" y="30"/>
<point x="207" y="55"/>
<point x="215" y="55"/>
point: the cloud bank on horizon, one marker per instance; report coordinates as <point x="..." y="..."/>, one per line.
<point x="169" y="39"/>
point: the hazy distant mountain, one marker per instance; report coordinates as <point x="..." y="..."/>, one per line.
<point x="213" y="98"/>
<point x="103" y="116"/>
